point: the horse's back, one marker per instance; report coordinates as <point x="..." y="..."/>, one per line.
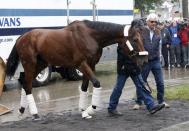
<point x="58" y="46"/>
<point x="55" y="46"/>
<point x="41" y="37"/>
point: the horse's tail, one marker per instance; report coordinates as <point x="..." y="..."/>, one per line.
<point x="12" y="62"/>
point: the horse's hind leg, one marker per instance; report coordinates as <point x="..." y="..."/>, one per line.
<point x="27" y="98"/>
<point x="96" y="96"/>
<point x="26" y="93"/>
<point x="31" y="73"/>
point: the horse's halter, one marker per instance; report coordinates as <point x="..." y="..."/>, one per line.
<point x="131" y="49"/>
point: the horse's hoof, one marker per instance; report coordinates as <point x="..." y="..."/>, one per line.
<point x="90" y="110"/>
<point x="21" y="110"/>
<point x="20" y="113"/>
<point x="85" y="115"/>
<point x="36" y="117"/>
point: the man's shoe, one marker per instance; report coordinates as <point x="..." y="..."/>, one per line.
<point x="156" y="108"/>
<point x="166" y="67"/>
<point x="136" y="107"/>
<point x="178" y="65"/>
<point x="114" y="113"/>
<point x="166" y="105"/>
<point x="172" y="66"/>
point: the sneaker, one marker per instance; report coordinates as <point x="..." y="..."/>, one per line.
<point x="114" y="113"/>
<point x="166" y="67"/>
<point x="178" y="66"/>
<point x="172" y="66"/>
<point x="156" y="108"/>
<point x="136" y="107"/>
<point x="166" y="105"/>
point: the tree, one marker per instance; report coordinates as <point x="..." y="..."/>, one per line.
<point x="146" y="5"/>
<point x="185" y="8"/>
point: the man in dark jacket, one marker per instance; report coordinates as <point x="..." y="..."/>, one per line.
<point x="151" y="40"/>
<point x="127" y="68"/>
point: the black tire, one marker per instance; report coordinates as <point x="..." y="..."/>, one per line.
<point x="74" y="74"/>
<point x="43" y="77"/>
<point x="62" y="71"/>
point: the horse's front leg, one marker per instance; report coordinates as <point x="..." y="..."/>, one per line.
<point x="83" y="97"/>
<point x="96" y="96"/>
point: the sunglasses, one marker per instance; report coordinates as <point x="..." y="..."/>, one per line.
<point x="153" y="22"/>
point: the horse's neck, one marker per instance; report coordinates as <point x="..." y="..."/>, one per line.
<point x="108" y="43"/>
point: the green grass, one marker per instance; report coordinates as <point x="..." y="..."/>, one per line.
<point x="180" y="92"/>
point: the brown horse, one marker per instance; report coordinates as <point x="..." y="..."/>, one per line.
<point x="78" y="45"/>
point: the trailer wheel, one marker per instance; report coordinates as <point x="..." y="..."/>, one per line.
<point x="74" y="74"/>
<point x="62" y="71"/>
<point x="43" y="77"/>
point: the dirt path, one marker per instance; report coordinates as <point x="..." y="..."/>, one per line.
<point x="132" y="120"/>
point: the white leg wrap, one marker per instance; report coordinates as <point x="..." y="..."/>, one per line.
<point x="23" y="101"/>
<point x="85" y="115"/>
<point x="88" y="112"/>
<point x="96" y="96"/>
<point x="129" y="45"/>
<point x="83" y="100"/>
<point x="32" y="105"/>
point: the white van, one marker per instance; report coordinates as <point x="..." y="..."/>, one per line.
<point x="20" y="16"/>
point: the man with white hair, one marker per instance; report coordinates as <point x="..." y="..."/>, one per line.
<point x="151" y="40"/>
<point x="127" y="68"/>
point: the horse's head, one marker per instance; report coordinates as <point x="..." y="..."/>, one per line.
<point x="133" y="44"/>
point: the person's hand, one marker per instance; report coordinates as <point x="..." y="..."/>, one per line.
<point x="168" y="45"/>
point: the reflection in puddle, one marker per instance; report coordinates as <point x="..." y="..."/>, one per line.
<point x="43" y="95"/>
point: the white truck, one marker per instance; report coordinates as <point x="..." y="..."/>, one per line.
<point x="20" y="16"/>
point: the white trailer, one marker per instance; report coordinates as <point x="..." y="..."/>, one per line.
<point x="20" y="16"/>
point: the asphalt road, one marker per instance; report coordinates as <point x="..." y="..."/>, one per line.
<point x="57" y="104"/>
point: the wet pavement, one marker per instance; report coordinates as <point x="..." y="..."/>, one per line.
<point x="184" y="126"/>
<point x="61" y="95"/>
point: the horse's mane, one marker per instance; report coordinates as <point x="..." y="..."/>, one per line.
<point x="104" y="26"/>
